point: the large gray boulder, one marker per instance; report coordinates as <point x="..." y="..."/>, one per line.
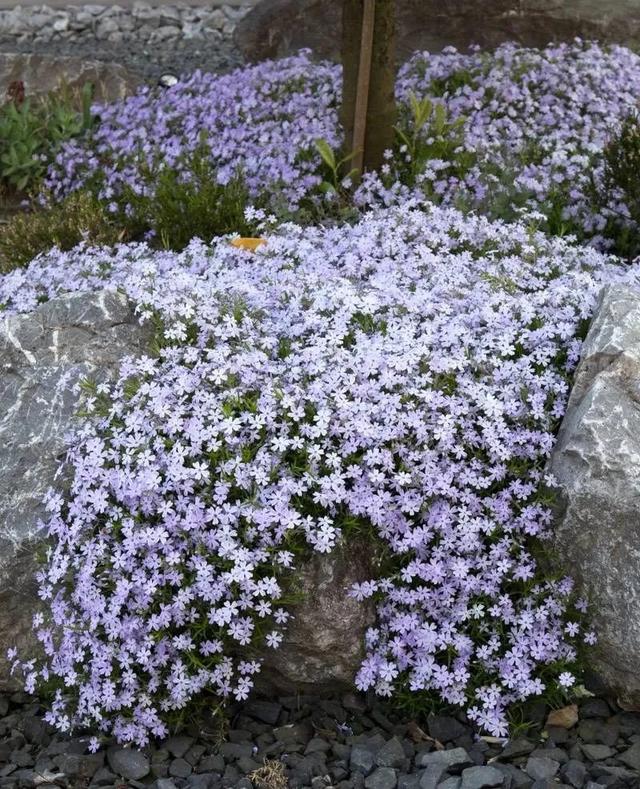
<point x="43" y="355"/>
<point x="596" y="462"/>
<point x="275" y="28"/>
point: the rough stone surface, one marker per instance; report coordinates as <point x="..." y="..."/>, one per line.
<point x="279" y="27"/>
<point x="596" y="463"/>
<point x="481" y="777"/>
<point x="456" y="758"/>
<point x="42" y="356"/>
<point x="141" y="21"/>
<point x="41" y="74"/>
<point x="322" y="648"/>
<point x="128" y="762"/>
<point x="318" y="743"/>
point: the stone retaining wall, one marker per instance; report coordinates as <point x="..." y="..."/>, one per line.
<point x="143" y="21"/>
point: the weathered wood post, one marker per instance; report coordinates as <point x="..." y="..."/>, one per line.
<point x="368" y="94"/>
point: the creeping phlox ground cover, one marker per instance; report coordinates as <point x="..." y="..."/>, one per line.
<point x="524" y="129"/>
<point x="402" y="376"/>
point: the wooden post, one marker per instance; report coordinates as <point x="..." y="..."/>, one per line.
<point x="368" y="109"/>
<point x="364" y="83"/>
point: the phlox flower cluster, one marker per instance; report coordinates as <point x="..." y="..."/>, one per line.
<point x="536" y="123"/>
<point x="261" y="121"/>
<point x="404" y="374"/>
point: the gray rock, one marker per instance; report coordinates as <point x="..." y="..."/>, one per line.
<point x="317" y="745"/>
<point x="391" y="754"/>
<point x="265" y="711"/>
<point x="516" y="748"/>
<point x="514" y="778"/>
<point x="177" y="746"/>
<point x="42" y="356"/>
<point x="165" y="783"/>
<point x="247" y="765"/>
<point x="323" y="646"/>
<point x="382" y="778"/>
<point x="275" y="28"/>
<point x="540" y="768"/>
<point x="293" y="733"/>
<point x="631" y="757"/>
<point x="481" y="777"/>
<point x="180" y="768"/>
<point x="235" y="750"/>
<point x="194" y="754"/>
<point x="596" y="753"/>
<point x="596" y="462"/>
<point x="104" y="777"/>
<point x="432" y="776"/>
<point x="128" y="763"/>
<point x="211" y="764"/>
<point x="574" y="773"/>
<point x="597" y="731"/>
<point x="85" y="765"/>
<point x="453" y="760"/>
<point x="445" y="728"/>
<point x="106" y="27"/>
<point x="451" y="783"/>
<point x="411" y="781"/>
<point x="557" y="754"/>
<point x="594" y="708"/>
<point x="362" y="759"/>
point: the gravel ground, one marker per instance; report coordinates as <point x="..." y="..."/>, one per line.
<point x="150" y="61"/>
<point x="341" y="743"/>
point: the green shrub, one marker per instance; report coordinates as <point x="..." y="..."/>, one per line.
<point x="427" y="133"/>
<point x="32" y="130"/>
<point x="620" y="188"/>
<point x="175" y="209"/>
<point x="81" y="217"/>
<point x="169" y="212"/>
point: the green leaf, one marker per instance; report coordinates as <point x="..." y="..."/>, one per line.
<point x="326" y="152"/>
<point x="440" y="119"/>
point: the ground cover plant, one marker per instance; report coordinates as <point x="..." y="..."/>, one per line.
<point x="404" y="375"/>
<point x="397" y="371"/>
<point x="506" y="132"/>
<point x="32" y="129"/>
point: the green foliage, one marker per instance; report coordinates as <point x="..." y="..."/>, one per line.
<point x="81" y="217"/>
<point x="170" y="210"/>
<point x="32" y="130"/>
<point x="450" y="84"/>
<point x="621" y="184"/>
<point x="176" y="209"/>
<point x="333" y="167"/>
<point x="427" y="133"/>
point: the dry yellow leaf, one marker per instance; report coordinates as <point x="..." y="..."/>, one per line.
<point x="250" y="244"/>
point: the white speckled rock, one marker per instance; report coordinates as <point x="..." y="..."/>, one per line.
<point x="42" y="356"/>
<point x="596" y="462"/>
